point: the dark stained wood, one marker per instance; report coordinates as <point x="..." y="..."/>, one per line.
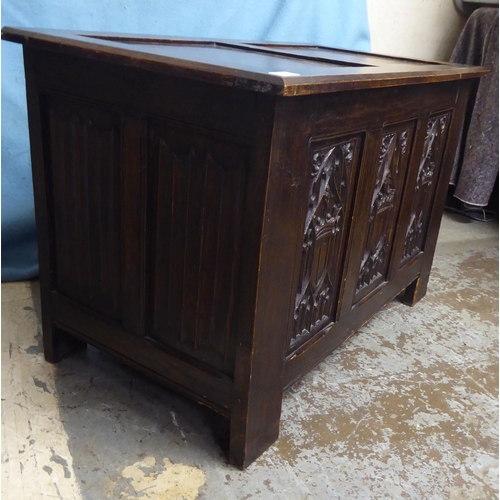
<point x="330" y="183"/>
<point x="267" y="281"/>
<point x="197" y="186"/>
<point x="203" y="383"/>
<point x="417" y="289"/>
<point x="390" y="172"/>
<point x="86" y="183"/>
<point x="239" y="64"/>
<point x="222" y="228"/>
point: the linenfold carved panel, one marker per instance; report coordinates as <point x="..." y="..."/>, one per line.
<point x="329" y="197"/>
<point x="84" y="159"/>
<point x="391" y="169"/>
<point x="431" y="157"/>
<point x="197" y="199"/>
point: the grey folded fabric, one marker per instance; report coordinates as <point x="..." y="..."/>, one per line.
<point x="476" y="164"/>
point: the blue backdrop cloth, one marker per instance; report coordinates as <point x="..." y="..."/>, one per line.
<point x="327" y="22"/>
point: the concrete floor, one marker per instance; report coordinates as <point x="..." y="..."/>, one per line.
<point x="406" y="409"/>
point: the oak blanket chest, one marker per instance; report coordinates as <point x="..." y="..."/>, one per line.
<point x="221" y="215"/>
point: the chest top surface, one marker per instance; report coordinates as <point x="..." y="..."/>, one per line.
<point x="277" y="68"/>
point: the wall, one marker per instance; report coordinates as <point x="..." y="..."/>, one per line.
<point x="423" y="29"/>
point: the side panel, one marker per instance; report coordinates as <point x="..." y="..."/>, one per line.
<point x="391" y="169"/>
<point x="425" y="184"/>
<point x="386" y="232"/>
<point x="197" y="184"/>
<point x="89" y="211"/>
<point x="150" y="195"/>
<point x="332" y="172"/>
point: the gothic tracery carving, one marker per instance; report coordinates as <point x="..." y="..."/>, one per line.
<point x="327" y="198"/>
<point x="431" y="156"/>
<point x="375" y="255"/>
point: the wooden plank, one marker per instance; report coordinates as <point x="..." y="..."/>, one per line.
<point x="204" y="385"/>
<point x="237" y="65"/>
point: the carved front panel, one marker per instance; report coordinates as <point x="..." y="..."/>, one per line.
<point x="329" y="203"/>
<point x="86" y="195"/>
<point x="391" y="169"/>
<point x="425" y="185"/>
<point x="196" y="195"/>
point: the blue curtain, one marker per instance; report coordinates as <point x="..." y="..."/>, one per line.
<point x="327" y="22"/>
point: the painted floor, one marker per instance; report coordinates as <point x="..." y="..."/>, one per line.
<point x="406" y="409"/>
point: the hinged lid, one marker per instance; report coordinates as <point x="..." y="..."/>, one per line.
<point x="276" y="68"/>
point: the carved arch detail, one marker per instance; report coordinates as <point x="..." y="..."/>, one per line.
<point x="329" y="195"/>
<point x="391" y="169"/>
<point x="432" y="154"/>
